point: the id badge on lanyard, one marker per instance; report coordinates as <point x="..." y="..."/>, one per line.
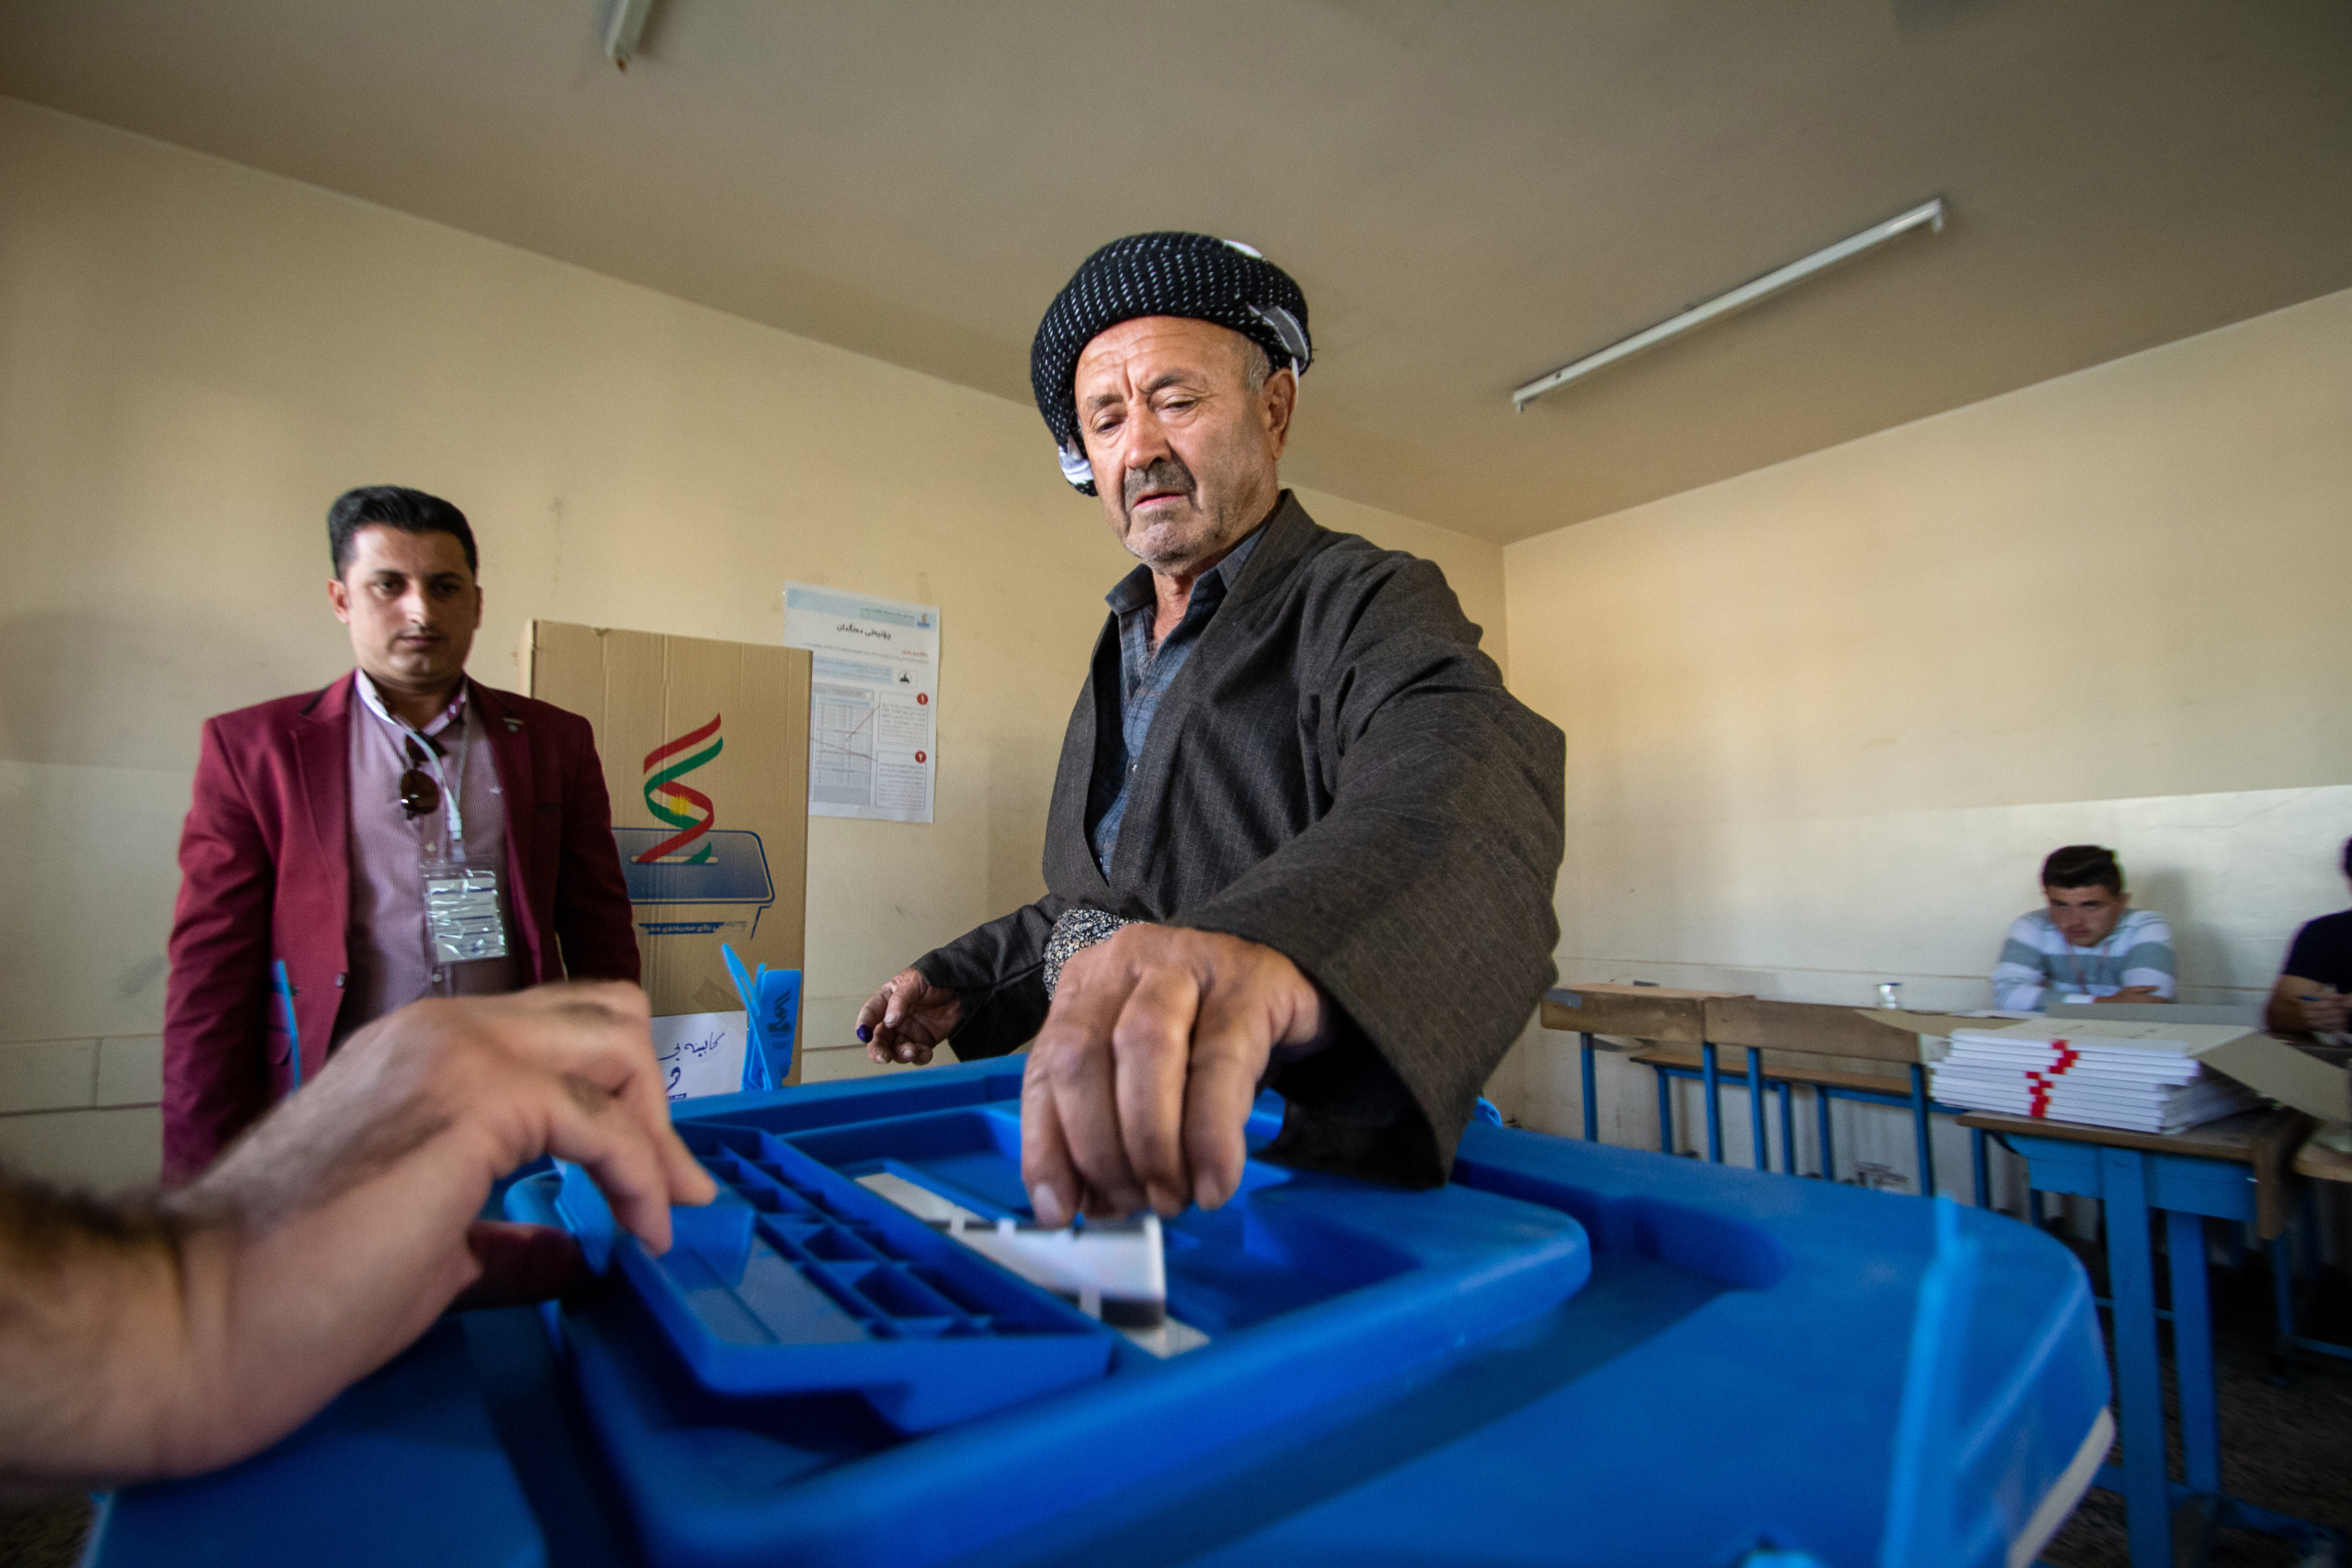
<point x="462" y="918"/>
<point x="461" y="912"/>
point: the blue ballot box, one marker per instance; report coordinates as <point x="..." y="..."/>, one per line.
<point x="1574" y="1353"/>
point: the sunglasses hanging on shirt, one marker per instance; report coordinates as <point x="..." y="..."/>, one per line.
<point x="419" y="793"/>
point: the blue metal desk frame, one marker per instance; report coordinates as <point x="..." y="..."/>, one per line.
<point x="1916" y="1102"/>
<point x="2187" y="1189"/>
<point x="2283" y="1273"/>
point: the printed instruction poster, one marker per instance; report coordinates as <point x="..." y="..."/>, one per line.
<point x="873" y="702"/>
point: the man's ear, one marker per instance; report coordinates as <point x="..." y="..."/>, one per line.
<point x="339" y="600"/>
<point x="1281" y="397"/>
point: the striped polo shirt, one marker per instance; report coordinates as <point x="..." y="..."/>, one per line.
<point x="2039" y="965"/>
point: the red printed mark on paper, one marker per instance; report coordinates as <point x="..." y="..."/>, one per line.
<point x="2038" y="1083"/>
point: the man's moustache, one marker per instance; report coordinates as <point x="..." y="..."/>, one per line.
<point x="1165" y="475"/>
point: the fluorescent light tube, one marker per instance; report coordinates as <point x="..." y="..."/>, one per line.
<point x="624" y="25"/>
<point x="1927" y="215"/>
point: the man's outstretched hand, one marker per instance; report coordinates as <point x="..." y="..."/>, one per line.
<point x="170" y="1338"/>
<point x="908" y="1018"/>
<point x="344" y="1223"/>
<point x="1138" y="1085"/>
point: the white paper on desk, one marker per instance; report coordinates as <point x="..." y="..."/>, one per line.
<point x="2192" y="1039"/>
<point x="2148" y="1077"/>
<point x="873" y="702"/>
<point x="701" y="1053"/>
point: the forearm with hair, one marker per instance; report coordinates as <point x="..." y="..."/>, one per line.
<point x="93" y="1336"/>
<point x="175" y="1334"/>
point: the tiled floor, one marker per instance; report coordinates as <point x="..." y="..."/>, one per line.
<point x="2286" y="1444"/>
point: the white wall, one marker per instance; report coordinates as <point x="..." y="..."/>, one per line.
<point x="195" y="358"/>
<point x="1825" y="719"/>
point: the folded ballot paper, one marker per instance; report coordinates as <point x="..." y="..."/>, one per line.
<point x="2146" y="1077"/>
<point x="1114" y="1270"/>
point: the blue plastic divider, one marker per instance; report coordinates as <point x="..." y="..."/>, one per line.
<point x="772" y="1012"/>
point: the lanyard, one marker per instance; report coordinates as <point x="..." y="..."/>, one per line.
<point x="408" y="742"/>
<point x="2075" y="955"/>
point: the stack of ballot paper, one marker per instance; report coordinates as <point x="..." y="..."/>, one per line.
<point x="2144" y="1077"/>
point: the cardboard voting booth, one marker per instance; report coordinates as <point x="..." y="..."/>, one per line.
<point x="705" y="752"/>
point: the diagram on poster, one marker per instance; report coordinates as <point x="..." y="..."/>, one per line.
<point x="873" y="702"/>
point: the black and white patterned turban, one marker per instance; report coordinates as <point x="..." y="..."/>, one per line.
<point x="1198" y="276"/>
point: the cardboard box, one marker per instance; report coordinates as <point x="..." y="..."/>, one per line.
<point x="2292" y="1073"/>
<point x="705" y="752"/>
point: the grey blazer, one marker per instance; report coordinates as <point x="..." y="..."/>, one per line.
<point x="1339" y="773"/>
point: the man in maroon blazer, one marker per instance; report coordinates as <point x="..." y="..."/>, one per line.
<point x="403" y="832"/>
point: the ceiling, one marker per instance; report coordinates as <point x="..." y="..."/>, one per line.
<point x="1470" y="194"/>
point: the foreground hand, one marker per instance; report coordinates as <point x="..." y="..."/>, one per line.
<point x="1138" y="1085"/>
<point x="334" y="1233"/>
<point x="908" y="1018"/>
<point x="2135" y="996"/>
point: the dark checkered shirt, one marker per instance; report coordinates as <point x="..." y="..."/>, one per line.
<point x="1145" y="672"/>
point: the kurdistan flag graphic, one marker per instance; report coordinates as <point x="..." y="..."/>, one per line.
<point x="681" y="805"/>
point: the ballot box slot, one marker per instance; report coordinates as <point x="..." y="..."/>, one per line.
<point x="1240" y="1266"/>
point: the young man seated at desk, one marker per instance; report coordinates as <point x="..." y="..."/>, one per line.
<point x="2087" y="943"/>
<point x="2310" y="994"/>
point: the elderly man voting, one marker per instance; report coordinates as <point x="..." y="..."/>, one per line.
<point x="403" y="832"/>
<point x="1300" y="835"/>
<point x="2086" y="943"/>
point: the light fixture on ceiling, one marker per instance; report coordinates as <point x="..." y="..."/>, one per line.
<point x="1927" y="215"/>
<point x="624" y="25"/>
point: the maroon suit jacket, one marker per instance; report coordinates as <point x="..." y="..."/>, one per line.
<point x="266" y="874"/>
